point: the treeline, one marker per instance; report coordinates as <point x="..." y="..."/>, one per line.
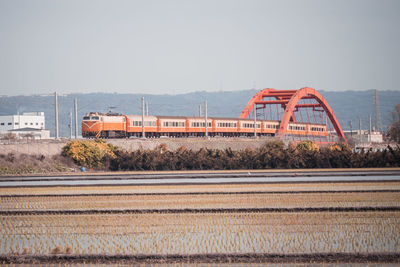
<point x="274" y="154"/>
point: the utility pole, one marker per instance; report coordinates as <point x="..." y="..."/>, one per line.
<point x="200" y="110"/>
<point x="255" y="120"/>
<point x="147" y="108"/>
<point x="205" y="119"/>
<point x="377" y="113"/>
<point x="351" y="128"/>
<point x="370" y="128"/>
<point x="76" y="117"/>
<point x="56" y="113"/>
<point x="143" y="133"/>
<point x="370" y="124"/>
<point x="70" y="124"/>
<point x="359" y="124"/>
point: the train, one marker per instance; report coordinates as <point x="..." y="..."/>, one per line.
<point x="113" y="125"/>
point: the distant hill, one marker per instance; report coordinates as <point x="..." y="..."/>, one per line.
<point x="347" y="105"/>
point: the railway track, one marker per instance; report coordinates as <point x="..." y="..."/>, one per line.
<point x="202" y="178"/>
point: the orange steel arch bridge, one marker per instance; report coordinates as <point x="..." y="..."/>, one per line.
<point x="302" y="106"/>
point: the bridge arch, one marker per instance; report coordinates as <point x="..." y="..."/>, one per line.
<point x="289" y="101"/>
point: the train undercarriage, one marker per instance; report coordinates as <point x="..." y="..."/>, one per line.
<point x="122" y="134"/>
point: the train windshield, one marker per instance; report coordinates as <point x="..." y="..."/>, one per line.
<point x="86" y="118"/>
<point x="95" y="118"/>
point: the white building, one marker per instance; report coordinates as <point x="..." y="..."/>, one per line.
<point x="33" y="120"/>
<point x="31" y="133"/>
<point x="26" y="125"/>
<point x="364" y="136"/>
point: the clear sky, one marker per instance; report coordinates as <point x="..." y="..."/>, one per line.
<point x="179" y="46"/>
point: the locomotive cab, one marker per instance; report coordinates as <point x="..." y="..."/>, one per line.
<point x="91" y="125"/>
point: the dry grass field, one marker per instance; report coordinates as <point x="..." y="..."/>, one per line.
<point x="204" y="188"/>
<point x="260" y="220"/>
<point x="203" y="233"/>
<point x="251" y="200"/>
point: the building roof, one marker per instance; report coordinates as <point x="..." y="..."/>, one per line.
<point x="34" y="113"/>
<point x="26" y="130"/>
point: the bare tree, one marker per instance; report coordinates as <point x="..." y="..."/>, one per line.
<point x="394" y="129"/>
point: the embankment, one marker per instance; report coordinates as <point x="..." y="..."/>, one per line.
<point x="54" y="147"/>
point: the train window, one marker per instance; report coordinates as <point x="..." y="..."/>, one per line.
<point x="226" y="124"/>
<point x="251" y="125"/>
<point x="173" y="124"/>
<point x="198" y="124"/>
<point x="317" y="129"/>
<point x="146" y="123"/>
<point x="86" y="118"/>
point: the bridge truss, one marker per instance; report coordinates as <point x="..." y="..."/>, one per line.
<point x="305" y="105"/>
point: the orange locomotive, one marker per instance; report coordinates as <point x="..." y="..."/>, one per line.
<point x="113" y="125"/>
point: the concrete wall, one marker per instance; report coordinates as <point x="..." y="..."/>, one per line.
<point x="40" y="147"/>
<point x="53" y="147"/>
